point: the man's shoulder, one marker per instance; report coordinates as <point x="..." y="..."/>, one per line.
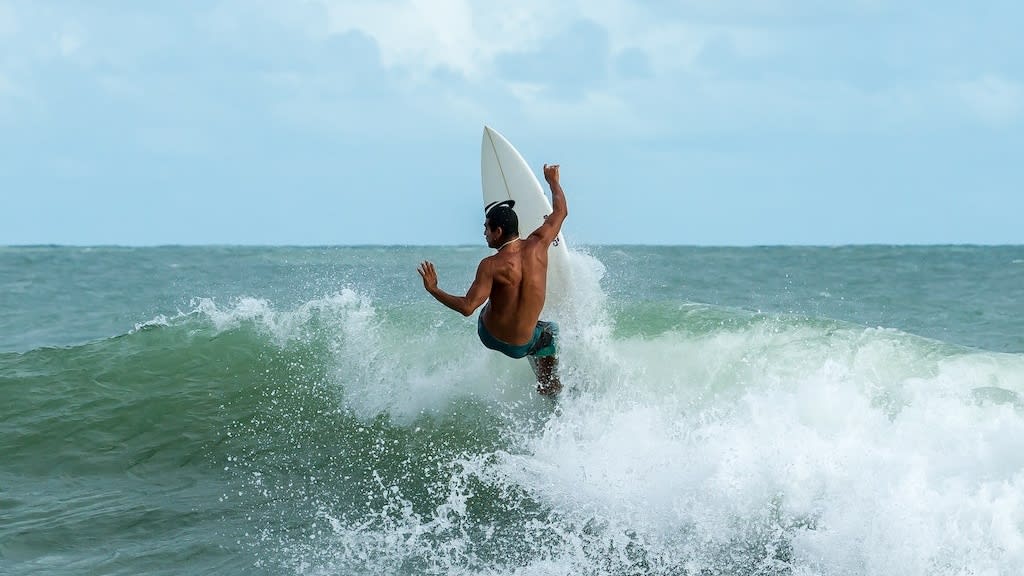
<point x="488" y="262"/>
<point x="535" y="242"/>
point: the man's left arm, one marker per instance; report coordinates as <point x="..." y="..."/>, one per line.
<point x="477" y="294"/>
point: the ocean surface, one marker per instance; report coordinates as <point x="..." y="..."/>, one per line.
<point x="728" y="411"/>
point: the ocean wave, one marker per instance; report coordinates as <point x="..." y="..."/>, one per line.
<point x="369" y="437"/>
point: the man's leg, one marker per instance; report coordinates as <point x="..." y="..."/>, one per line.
<point x="546" y="371"/>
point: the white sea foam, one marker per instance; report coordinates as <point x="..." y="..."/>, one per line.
<point x="347" y="310"/>
<point x="158" y="321"/>
<point x="777" y="445"/>
<point x="870" y="452"/>
<point x="841" y="464"/>
<point x="407" y="371"/>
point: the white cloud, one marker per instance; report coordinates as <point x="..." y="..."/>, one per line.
<point x="642" y="69"/>
<point x="467" y="37"/>
<point x="995" y="100"/>
<point x="418" y="37"/>
<point x="422" y="35"/>
<point x="671" y="43"/>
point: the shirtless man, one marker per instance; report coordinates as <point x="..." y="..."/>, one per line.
<point x="515" y="281"/>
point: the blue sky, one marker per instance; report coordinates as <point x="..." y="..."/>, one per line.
<point x="730" y="122"/>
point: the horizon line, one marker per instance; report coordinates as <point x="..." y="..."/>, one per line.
<point x="582" y="244"/>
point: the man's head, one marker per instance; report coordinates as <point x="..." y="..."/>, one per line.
<point x="501" y="224"/>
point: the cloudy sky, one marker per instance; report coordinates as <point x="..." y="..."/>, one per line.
<point x="728" y="122"/>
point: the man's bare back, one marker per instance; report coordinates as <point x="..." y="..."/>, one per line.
<point x="515" y="282"/>
<point x="518" y="290"/>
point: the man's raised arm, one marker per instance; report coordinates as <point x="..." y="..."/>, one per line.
<point x="559" y="209"/>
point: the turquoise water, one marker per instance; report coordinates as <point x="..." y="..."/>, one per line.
<point x="788" y="410"/>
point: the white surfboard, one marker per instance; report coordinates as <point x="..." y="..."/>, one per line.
<point x="504" y="175"/>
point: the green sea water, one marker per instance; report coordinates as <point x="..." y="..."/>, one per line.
<point x="777" y="410"/>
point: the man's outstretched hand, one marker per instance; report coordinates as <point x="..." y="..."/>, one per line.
<point x="429" y="275"/>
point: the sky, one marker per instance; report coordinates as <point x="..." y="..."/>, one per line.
<point x="693" y="122"/>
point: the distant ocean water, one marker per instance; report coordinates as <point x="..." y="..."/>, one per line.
<point x="769" y="411"/>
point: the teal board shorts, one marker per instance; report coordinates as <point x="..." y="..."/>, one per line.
<point x="540" y="346"/>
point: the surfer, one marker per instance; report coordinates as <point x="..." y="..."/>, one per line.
<point x="515" y="282"/>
